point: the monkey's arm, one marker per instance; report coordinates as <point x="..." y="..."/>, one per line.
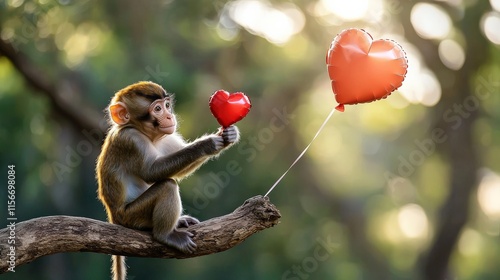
<point x="150" y="165"/>
<point x="229" y="136"/>
<point x="191" y="168"/>
<point x="172" y="165"/>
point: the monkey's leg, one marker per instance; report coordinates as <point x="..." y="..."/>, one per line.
<point x="159" y="208"/>
<point x="165" y="218"/>
<point x="138" y="214"/>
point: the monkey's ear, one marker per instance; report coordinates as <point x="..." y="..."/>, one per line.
<point x="119" y="113"/>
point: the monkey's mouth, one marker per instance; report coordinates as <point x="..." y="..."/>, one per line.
<point x="157" y="124"/>
<point x="165" y="127"/>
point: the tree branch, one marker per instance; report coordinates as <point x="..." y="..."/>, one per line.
<point x="77" y="112"/>
<point x="43" y="236"/>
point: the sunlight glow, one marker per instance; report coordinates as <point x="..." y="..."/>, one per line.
<point x="488" y="195"/>
<point x="470" y="242"/>
<point x="401" y="189"/>
<point x="347" y="10"/>
<point x="490" y="25"/>
<point x="451" y="54"/>
<point x="390" y="231"/>
<point x="7" y="34"/>
<point x="37" y="124"/>
<point x="81" y="43"/>
<point x="455" y="3"/>
<point x="430" y="90"/>
<point x="413" y="221"/>
<point x="276" y="24"/>
<point x="495" y="4"/>
<point x="420" y="84"/>
<point x="430" y="21"/>
<point x="15" y="3"/>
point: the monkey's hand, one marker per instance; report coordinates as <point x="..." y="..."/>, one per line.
<point x="219" y="141"/>
<point x="216" y="144"/>
<point x="230" y="135"/>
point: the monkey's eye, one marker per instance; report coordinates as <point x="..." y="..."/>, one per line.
<point x="157" y="108"/>
<point x="167" y="105"/>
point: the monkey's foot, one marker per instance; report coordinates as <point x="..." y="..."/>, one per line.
<point x="186" y="221"/>
<point x="179" y="239"/>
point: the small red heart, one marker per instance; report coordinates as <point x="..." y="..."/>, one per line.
<point x="229" y="108"/>
<point x="363" y="70"/>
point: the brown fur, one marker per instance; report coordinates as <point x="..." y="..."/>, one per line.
<point x="140" y="163"/>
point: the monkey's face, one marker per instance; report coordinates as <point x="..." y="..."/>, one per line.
<point x="163" y="118"/>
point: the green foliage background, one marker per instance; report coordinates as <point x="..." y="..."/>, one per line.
<point x="348" y="191"/>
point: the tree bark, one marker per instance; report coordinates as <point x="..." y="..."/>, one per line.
<point x="43" y="236"/>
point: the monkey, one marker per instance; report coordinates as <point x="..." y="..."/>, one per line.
<point x="141" y="162"/>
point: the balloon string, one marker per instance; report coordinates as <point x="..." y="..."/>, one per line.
<point x="302" y="153"/>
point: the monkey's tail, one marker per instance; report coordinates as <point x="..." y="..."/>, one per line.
<point x="119" y="268"/>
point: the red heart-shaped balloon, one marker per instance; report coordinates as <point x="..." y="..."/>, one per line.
<point x="229" y="108"/>
<point x="363" y="70"/>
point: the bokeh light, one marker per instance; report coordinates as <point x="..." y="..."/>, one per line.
<point x="470" y="242"/>
<point x="451" y="54"/>
<point x="490" y="24"/>
<point x="421" y="85"/>
<point x="276" y="24"/>
<point x="413" y="221"/>
<point x="488" y="194"/>
<point x="346" y="10"/>
<point x="495" y="4"/>
<point x="430" y="21"/>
